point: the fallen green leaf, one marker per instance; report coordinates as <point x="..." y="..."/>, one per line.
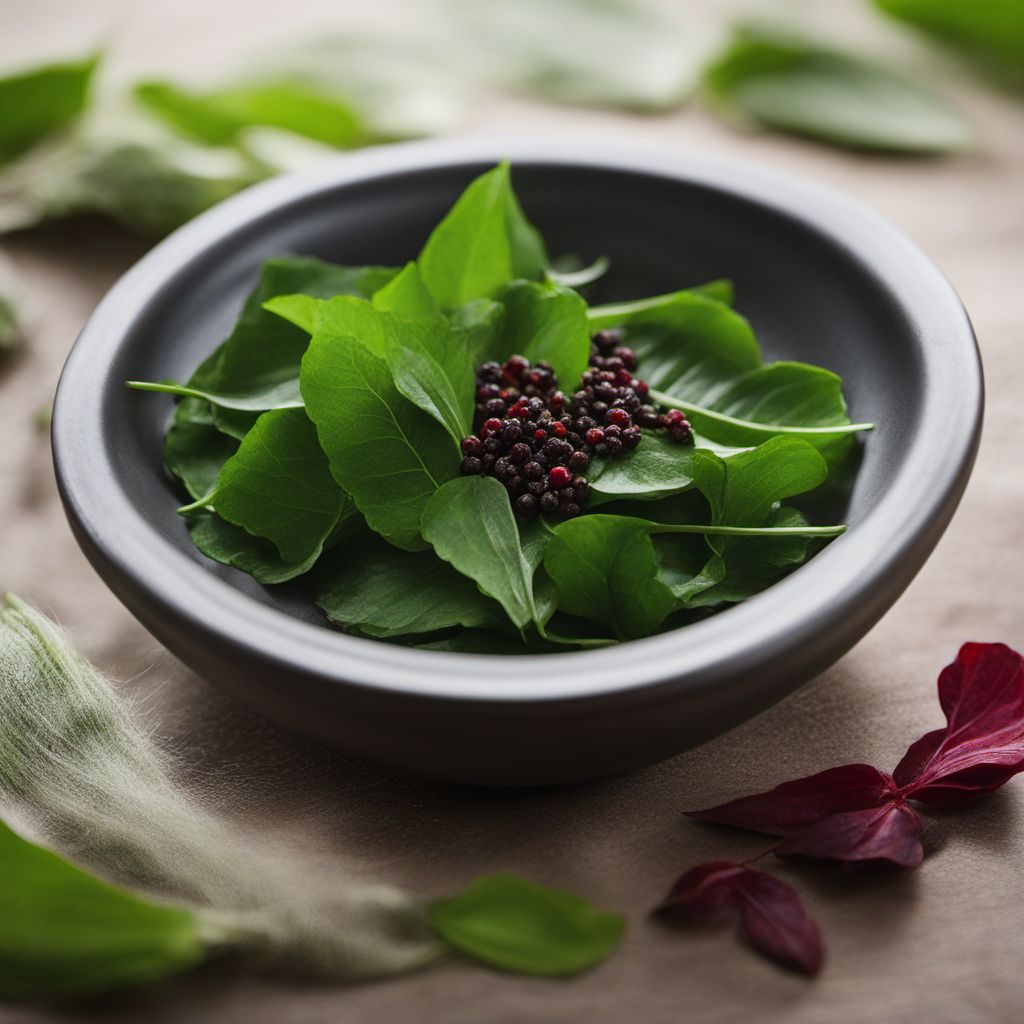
<point x="516" y="925"/>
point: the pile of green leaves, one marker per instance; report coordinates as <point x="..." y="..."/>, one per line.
<point x="321" y="440"/>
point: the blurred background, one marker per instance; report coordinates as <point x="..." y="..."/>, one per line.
<point x="120" y="119"/>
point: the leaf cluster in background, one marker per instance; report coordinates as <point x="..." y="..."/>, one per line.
<point x="323" y="439"/>
<point x="783" y="82"/>
<point x="162" y="152"/>
<point x="857" y="814"/>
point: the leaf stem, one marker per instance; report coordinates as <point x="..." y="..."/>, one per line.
<point x="199" y="503"/>
<point x="661" y="398"/>
<point x="751" y="531"/>
<point x="167" y="388"/>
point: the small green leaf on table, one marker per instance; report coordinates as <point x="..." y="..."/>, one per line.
<point x="516" y="925"/>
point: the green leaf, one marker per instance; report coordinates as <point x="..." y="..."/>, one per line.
<point x="613" y="314"/>
<point x="481" y="324"/>
<point x="194" y="449"/>
<point x="992" y="33"/>
<point x="546" y="322"/>
<point x="700" y="356"/>
<point x="799" y="86"/>
<point x="380" y="591"/>
<point x="230" y="545"/>
<point x="217" y="118"/>
<point x="386" y="453"/>
<point x="658" y="468"/>
<point x="36" y="103"/>
<point x="470" y="523"/>
<point x="429" y="361"/>
<point x="482" y="243"/>
<point x="516" y="925"/>
<point x="264" y="352"/>
<point x="257" y="367"/>
<point x="66" y="934"/>
<point x="278" y="486"/>
<point x="605" y="570"/>
<point x="612" y="569"/>
<point x="610" y="53"/>
<point x="283" y="395"/>
<point x="745" y="491"/>
<point x="406" y="295"/>
<point x="686" y="342"/>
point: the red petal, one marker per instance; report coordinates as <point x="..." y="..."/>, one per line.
<point x="891" y="832"/>
<point x="982" y="746"/>
<point x="770" y="913"/>
<point x="796" y="805"/>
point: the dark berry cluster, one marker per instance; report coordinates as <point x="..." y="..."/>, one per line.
<point x="539" y="444"/>
<point x="611" y="394"/>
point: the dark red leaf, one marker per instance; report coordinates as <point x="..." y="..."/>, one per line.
<point x="770" y="913"/>
<point x="891" y="832"/>
<point x="797" y="805"/>
<point x="982" y="746"/>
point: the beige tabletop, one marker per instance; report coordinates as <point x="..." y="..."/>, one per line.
<point x="941" y="944"/>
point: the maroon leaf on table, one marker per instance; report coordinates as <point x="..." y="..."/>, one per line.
<point x="982" y="746"/>
<point x="891" y="832"/>
<point x="771" y="916"/>
<point x="797" y="805"/>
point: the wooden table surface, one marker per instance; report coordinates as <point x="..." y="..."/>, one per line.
<point x="941" y="944"/>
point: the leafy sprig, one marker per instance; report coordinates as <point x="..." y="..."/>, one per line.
<point x="858" y="814"/>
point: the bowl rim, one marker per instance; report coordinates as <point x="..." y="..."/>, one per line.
<point x="882" y="551"/>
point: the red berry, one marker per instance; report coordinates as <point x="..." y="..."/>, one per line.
<point x="674" y="417"/>
<point x="514" y="368"/>
<point x="618" y="416"/>
<point x="539" y="435"/>
<point x="594" y="436"/>
<point x="560" y="477"/>
<point x="491" y="426"/>
<point x="559" y="430"/>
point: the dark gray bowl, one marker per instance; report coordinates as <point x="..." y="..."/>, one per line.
<point x="821" y="278"/>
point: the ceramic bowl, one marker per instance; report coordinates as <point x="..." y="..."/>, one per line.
<point x="821" y="278"/>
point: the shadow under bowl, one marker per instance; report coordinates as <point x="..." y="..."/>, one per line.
<point x="822" y="280"/>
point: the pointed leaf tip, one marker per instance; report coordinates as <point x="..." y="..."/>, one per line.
<point x="982" y="745"/>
